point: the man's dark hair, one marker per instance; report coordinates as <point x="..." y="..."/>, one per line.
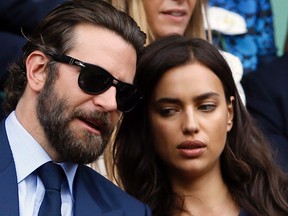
<point x="54" y="35"/>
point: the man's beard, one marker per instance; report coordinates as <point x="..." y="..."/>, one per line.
<point x="72" y="144"/>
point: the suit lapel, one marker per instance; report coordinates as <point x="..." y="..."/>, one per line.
<point x="88" y="199"/>
<point x="9" y="202"/>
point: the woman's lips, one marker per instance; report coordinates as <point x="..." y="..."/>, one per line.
<point x="175" y="15"/>
<point x="191" y="149"/>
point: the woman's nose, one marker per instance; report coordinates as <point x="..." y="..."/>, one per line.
<point x="190" y="124"/>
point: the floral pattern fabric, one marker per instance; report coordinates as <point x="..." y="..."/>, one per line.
<point x="257" y="46"/>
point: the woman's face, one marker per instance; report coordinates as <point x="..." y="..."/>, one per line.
<point x="190" y="120"/>
<point x="167" y="17"/>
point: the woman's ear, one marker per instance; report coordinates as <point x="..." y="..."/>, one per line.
<point x="230" y="113"/>
<point x="36" y="64"/>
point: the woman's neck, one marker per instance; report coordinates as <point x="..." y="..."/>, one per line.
<point x="205" y="195"/>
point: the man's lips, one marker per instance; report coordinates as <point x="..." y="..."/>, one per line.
<point x="94" y="123"/>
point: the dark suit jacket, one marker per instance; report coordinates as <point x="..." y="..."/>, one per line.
<point x="94" y="194"/>
<point x="266" y="93"/>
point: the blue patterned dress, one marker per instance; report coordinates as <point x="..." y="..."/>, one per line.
<point x="257" y="46"/>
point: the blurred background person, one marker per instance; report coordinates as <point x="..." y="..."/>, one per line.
<point x="159" y="18"/>
<point x="267" y="100"/>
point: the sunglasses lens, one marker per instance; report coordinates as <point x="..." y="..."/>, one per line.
<point x="94" y="81"/>
<point x="127" y="97"/>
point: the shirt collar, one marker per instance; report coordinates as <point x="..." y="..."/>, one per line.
<point x="28" y="153"/>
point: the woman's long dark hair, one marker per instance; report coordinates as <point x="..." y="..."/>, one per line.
<point x="247" y="164"/>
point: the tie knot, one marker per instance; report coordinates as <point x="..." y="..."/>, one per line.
<point x="51" y="175"/>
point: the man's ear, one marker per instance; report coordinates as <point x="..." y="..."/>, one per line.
<point x="36" y="70"/>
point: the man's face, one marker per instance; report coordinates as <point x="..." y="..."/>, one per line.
<point x="76" y="124"/>
<point x="72" y="143"/>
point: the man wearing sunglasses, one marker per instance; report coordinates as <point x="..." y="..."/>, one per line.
<point x="64" y="98"/>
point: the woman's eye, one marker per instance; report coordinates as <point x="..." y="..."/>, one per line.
<point x="167" y="111"/>
<point x="207" y="107"/>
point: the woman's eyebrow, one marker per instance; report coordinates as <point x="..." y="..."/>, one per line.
<point x="196" y="98"/>
<point x="205" y="96"/>
<point x="168" y="100"/>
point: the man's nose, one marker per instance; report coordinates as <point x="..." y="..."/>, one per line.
<point x="106" y="101"/>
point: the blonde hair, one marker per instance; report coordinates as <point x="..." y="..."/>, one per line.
<point x="136" y="10"/>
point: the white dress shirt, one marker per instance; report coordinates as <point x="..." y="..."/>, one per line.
<point x="28" y="156"/>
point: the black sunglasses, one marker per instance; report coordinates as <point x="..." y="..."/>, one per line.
<point x="96" y="80"/>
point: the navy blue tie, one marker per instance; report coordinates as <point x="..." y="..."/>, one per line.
<point x="52" y="175"/>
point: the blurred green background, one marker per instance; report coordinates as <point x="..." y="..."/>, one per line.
<point x="280" y="11"/>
